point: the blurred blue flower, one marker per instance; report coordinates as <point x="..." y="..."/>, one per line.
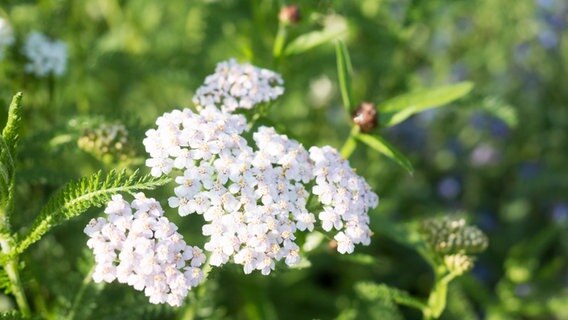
<point x="548" y="39"/>
<point x="410" y="135"/>
<point x="560" y="213"/>
<point x="523" y="290"/>
<point x="449" y="188"/>
<point x="486" y="220"/>
<point x="529" y="170"/>
<point x="485" y="155"/>
<point x="545" y="4"/>
<point x="460" y="72"/>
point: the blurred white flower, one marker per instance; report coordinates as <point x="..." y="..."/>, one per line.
<point x="235" y="86"/>
<point x="45" y="56"/>
<point x="6" y="36"/>
<point x="136" y="245"/>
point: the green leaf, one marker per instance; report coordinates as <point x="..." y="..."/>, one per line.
<point x="377" y="292"/>
<point x="78" y="196"/>
<point x="11" y="315"/>
<point x="344" y="71"/>
<point x="348" y="147"/>
<point x="8" y="143"/>
<point x="11" y="131"/>
<point x="398" y="109"/>
<point x="6" y="172"/>
<point x="312" y="39"/>
<point x="501" y="110"/>
<point x="381" y="145"/>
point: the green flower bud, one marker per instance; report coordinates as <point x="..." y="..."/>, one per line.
<point x="450" y="236"/>
<point x="107" y="139"/>
<point x="458" y="263"/>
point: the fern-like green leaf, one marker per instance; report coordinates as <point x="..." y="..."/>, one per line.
<point x="76" y="197"/>
<point x="372" y="291"/>
<point x="6" y="172"/>
<point x="11" y="315"/>
<point x="11" y="132"/>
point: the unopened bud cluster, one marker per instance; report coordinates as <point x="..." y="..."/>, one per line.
<point x="458" y="263"/>
<point x="449" y="236"/>
<point x="107" y="139"/>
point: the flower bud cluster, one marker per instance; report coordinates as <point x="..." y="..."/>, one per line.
<point x="346" y="198"/>
<point x="458" y="263"/>
<point x="137" y="245"/>
<point x="449" y="236"/>
<point x="106" y="139"/>
<point x="235" y="86"/>
<point x="6" y="36"/>
<point x="44" y="56"/>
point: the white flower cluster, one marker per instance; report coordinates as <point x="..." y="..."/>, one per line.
<point x="6" y="36"/>
<point x="44" y="55"/>
<point x="253" y="201"/>
<point x="235" y="86"/>
<point x="137" y="245"/>
<point x="346" y="198"/>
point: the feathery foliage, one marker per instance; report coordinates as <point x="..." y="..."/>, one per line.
<point x="76" y="197"/>
<point x="11" y="315"/>
<point x="8" y="143"/>
<point x="373" y="291"/>
<point x="11" y="132"/>
<point x="6" y="172"/>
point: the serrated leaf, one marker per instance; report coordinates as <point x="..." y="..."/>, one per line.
<point x="78" y="196"/>
<point x="344" y="72"/>
<point x="312" y="39"/>
<point x="381" y="145"/>
<point x="373" y="291"/>
<point x="11" y="131"/>
<point x="11" y="315"/>
<point x="398" y="109"/>
<point x="6" y="172"/>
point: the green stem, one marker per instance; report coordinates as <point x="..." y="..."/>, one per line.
<point x="80" y="293"/>
<point x="439" y="294"/>
<point x="11" y="267"/>
<point x="279" y="41"/>
<point x="350" y="143"/>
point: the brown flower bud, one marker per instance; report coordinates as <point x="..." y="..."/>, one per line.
<point x="290" y="14"/>
<point x="366" y="117"/>
<point x="332" y="244"/>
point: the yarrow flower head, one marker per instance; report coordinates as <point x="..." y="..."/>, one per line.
<point x="345" y="196"/>
<point x="235" y="86"/>
<point x="6" y="36"/>
<point x="253" y="201"/>
<point x="137" y="245"/>
<point x="45" y="56"/>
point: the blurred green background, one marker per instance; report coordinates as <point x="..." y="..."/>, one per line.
<point x="499" y="156"/>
